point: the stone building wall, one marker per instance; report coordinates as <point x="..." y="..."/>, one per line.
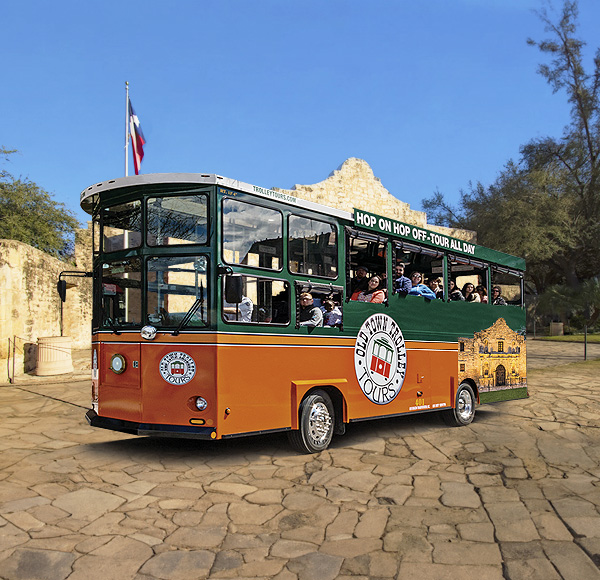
<point x="30" y="305"/>
<point x="353" y="185"/>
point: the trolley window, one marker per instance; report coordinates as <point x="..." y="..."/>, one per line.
<point x="177" y="285"/>
<point x="252" y="235"/>
<point x="122" y="226"/>
<point x="121" y="293"/>
<point x="312" y="247"/>
<point x="177" y="220"/>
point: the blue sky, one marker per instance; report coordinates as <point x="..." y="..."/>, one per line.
<point x="431" y="93"/>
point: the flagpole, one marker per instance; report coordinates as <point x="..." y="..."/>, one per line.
<point x="126" y="128"/>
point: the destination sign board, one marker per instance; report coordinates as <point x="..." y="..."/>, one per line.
<point x="412" y="233"/>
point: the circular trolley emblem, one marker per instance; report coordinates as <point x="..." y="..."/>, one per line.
<point x="177" y="368"/>
<point x="380" y="358"/>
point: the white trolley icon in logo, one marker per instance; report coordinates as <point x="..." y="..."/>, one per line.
<point x="380" y="358"/>
<point x="177" y="368"/>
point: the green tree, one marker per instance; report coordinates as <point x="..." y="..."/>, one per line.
<point x="546" y="207"/>
<point x="30" y="215"/>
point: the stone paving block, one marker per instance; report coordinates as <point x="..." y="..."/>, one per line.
<point x="497" y="494"/>
<point x="532" y="569"/>
<point x="372" y="524"/>
<point x="343" y="526"/>
<point x="179" y="565"/>
<point x="88" y="504"/>
<point x="424" y="571"/>
<point x="23" y="504"/>
<point x="24" y="521"/>
<point x="243" y="513"/>
<point x="383" y="565"/>
<point x="551" y="527"/>
<point x="459" y="495"/>
<point x="410" y="544"/>
<point x="348" y="548"/>
<point x="301" y="501"/>
<point x="316" y="566"/>
<point x="427" y="486"/>
<point x="573" y="507"/>
<point x="571" y="561"/>
<point x="265" y="497"/>
<point x="476" y="532"/>
<point x="588" y="527"/>
<point x="463" y="552"/>
<point x="441" y="533"/>
<point x="482" y="480"/>
<point x="291" y="548"/>
<point x="362" y="481"/>
<point x="197" y="538"/>
<point x="31" y="564"/>
<point x="394" y="494"/>
<point x="512" y="522"/>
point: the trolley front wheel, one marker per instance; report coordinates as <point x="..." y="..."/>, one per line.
<point x="316" y="420"/>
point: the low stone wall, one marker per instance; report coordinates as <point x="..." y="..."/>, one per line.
<point x="30" y="307"/>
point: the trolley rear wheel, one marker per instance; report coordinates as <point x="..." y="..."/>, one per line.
<point x="464" y="407"/>
<point x="316" y="420"/>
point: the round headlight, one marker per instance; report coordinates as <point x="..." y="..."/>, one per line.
<point x="201" y="403"/>
<point x="117" y="364"/>
<point x="148" y="332"/>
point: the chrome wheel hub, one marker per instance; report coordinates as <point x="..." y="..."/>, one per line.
<point x="465" y="405"/>
<point x="319" y="423"/>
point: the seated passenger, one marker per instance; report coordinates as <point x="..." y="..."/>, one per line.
<point x="373" y="293"/>
<point x="332" y="315"/>
<point x="435" y="285"/>
<point x="360" y="280"/>
<point x="469" y="293"/>
<point x="482" y="294"/>
<point x="309" y="315"/>
<point x="241" y="311"/>
<point x="401" y="282"/>
<point x="419" y="289"/>
<point x="454" y="292"/>
<point x="497" y="297"/>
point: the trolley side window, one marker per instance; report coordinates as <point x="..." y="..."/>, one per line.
<point x="248" y="299"/>
<point x="507" y="287"/>
<point x="312" y="247"/>
<point x="121" y="293"/>
<point x="420" y="265"/>
<point x="252" y="235"/>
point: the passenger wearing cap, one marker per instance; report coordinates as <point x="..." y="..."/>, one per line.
<point x="360" y="280"/>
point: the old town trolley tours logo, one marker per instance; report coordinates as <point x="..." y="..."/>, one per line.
<point x="380" y="358"/>
<point x="177" y="368"/>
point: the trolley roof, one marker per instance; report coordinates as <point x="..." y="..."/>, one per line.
<point x="362" y="219"/>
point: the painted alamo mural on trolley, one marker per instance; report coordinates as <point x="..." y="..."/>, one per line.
<point x="495" y="359"/>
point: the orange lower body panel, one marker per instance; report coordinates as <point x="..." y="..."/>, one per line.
<point x="254" y="384"/>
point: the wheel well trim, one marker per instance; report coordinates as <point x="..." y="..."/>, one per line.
<point x="301" y="389"/>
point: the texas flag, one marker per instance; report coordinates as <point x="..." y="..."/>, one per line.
<point x="137" y="139"/>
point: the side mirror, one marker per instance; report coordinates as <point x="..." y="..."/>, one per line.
<point x="233" y="289"/>
<point x="61" y="287"/>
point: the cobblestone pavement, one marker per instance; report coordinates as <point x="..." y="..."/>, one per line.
<point x="514" y="495"/>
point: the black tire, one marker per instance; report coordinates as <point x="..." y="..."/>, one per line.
<point x="464" y="407"/>
<point x="316" y="421"/>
